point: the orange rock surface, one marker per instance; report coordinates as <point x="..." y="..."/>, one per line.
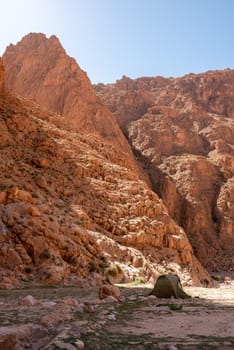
<point x="39" y="68"/>
<point x="182" y="131"/>
<point x="2" y="78"/>
<point x="70" y="209"/>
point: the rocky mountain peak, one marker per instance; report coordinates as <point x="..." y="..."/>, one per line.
<point x="38" y="68"/>
<point x="181" y="130"/>
<point x="33" y="41"/>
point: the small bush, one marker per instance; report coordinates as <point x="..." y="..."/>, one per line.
<point x="216" y="278"/>
<point x="93" y="267"/>
<point x="113" y="270"/>
<point x="136" y="282"/>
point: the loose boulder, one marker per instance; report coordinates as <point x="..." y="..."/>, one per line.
<point x="108" y="290"/>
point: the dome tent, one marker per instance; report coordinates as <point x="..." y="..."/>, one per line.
<point x="168" y="286"/>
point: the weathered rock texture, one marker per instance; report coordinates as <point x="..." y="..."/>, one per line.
<point x="182" y="130"/>
<point x="39" y="68"/>
<point x="2" y="78"/>
<point x="69" y="209"/>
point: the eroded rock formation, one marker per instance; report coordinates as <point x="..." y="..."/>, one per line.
<point x="2" y="78"/>
<point x="39" y="68"/>
<point x="70" y="210"/>
<point x="182" y="130"/>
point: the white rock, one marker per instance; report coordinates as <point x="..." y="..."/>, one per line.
<point x="64" y="346"/>
<point x="79" y="344"/>
<point x="142" y="298"/>
<point x="110" y="299"/>
<point x="122" y="298"/>
<point x="70" y="301"/>
<point x="48" y="304"/>
<point x="80" y="307"/>
<point x="29" y="300"/>
<point x="111" y="317"/>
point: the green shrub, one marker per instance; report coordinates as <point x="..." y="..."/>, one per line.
<point x="216" y="278"/>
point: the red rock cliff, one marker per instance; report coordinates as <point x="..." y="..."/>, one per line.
<point x="39" y="68"/>
<point x="183" y="131"/>
<point x="2" y="78"/>
<point x="70" y="212"/>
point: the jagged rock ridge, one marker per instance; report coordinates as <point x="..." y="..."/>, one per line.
<point x="182" y="130"/>
<point x="70" y="210"/>
<point x="39" y="68"/>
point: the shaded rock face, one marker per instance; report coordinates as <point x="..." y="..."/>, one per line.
<point x="70" y="210"/>
<point x="39" y="68"/>
<point x="2" y="78"/>
<point x="183" y="132"/>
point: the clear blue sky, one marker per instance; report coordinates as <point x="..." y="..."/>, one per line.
<point x="111" y="38"/>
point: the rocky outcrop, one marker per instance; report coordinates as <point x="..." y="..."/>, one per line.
<point x="39" y="68"/>
<point x="71" y="213"/>
<point x="184" y="137"/>
<point x="181" y="131"/>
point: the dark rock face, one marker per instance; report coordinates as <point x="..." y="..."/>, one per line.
<point x="2" y="78"/>
<point x="182" y="130"/>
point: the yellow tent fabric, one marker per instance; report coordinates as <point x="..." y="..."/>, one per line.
<point x="168" y="286"/>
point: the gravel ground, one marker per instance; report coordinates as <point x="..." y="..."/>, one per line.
<point x="70" y="318"/>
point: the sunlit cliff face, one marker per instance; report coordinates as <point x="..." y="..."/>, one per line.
<point x="182" y="130"/>
<point x="71" y="202"/>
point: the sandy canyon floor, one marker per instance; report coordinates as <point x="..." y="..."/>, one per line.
<point x="51" y="318"/>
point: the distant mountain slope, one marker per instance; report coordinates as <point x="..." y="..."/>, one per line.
<point x="182" y="130"/>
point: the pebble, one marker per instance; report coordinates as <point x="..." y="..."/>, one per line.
<point x="89" y="308"/>
<point x="172" y="347"/>
<point x="80" y="307"/>
<point x="70" y="301"/>
<point x="142" y="298"/>
<point x="48" y="304"/>
<point x="79" y="344"/>
<point x="122" y="298"/>
<point x="29" y="300"/>
<point x="111" y="317"/>
<point x="110" y="299"/>
<point x="132" y="298"/>
<point x="65" y="346"/>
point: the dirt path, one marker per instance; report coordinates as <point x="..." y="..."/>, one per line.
<point x="71" y="318"/>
